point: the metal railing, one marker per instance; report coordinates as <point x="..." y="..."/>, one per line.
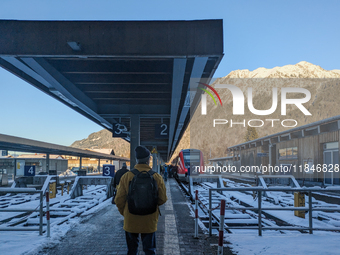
<point x="259" y="209"/>
<point x="39" y="209"/>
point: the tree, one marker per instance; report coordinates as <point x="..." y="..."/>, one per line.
<point x="251" y="134"/>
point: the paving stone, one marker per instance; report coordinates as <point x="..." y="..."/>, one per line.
<point x="103" y="233"/>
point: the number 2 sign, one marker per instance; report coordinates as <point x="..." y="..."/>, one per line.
<point x="109" y="170"/>
<point x="161" y="131"/>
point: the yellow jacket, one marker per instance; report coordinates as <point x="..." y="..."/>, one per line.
<point x="138" y="223"/>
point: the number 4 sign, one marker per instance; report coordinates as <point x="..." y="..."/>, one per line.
<point x="29" y="171"/>
<point x="109" y="170"/>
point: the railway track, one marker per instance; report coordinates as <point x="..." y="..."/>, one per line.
<point x="62" y="208"/>
<point x="249" y="218"/>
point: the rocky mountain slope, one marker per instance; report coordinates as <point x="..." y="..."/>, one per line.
<point x="104" y="140"/>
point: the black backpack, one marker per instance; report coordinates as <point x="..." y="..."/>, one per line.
<point x="143" y="193"/>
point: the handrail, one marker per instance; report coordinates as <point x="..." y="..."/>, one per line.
<point x="260" y="208"/>
<point x="38" y="209"/>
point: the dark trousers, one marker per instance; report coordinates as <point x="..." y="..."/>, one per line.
<point x="148" y="240"/>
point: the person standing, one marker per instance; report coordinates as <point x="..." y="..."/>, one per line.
<point x="140" y="222"/>
<point x="115" y="181"/>
<point x="119" y="175"/>
<point x="165" y="173"/>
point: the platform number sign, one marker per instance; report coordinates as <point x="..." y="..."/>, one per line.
<point x="109" y="170"/>
<point x="161" y="131"/>
<point x="120" y="130"/>
<point x="29" y="171"/>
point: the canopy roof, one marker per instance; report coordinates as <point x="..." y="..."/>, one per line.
<point x="111" y="70"/>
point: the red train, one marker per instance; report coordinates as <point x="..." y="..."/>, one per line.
<point x="187" y="161"/>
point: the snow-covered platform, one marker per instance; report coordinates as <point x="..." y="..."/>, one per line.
<point x="103" y="233"/>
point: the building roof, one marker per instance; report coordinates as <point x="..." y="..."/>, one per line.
<point x="39" y="156"/>
<point x="13" y="143"/>
<point x="322" y="126"/>
<point x="104" y="151"/>
<point x="223" y="158"/>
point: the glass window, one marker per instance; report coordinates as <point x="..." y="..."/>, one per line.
<point x="333" y="145"/>
<point x="295" y="152"/>
<point x="288" y="153"/>
<point x="283" y="153"/>
<point x="191" y="158"/>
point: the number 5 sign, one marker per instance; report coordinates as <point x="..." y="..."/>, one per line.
<point x="109" y="170"/>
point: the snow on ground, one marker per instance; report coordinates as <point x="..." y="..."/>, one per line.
<point x="324" y="243"/>
<point x="15" y="243"/>
<point x="247" y="242"/>
<point x="29" y="243"/>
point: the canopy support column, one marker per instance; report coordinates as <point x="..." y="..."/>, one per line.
<point x="135" y="138"/>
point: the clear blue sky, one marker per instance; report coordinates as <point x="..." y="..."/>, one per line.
<point x="256" y="34"/>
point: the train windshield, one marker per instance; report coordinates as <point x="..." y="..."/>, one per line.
<point x="191" y="158"/>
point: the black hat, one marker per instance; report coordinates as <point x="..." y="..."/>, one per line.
<point x="142" y="154"/>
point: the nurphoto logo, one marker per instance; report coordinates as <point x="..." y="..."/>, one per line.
<point x="239" y="99"/>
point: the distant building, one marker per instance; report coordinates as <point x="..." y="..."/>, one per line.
<point x="92" y="164"/>
<point x="104" y="151"/>
<point x="57" y="162"/>
<point x="311" y="152"/>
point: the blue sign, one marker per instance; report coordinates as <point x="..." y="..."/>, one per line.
<point x="4" y="153"/>
<point x="109" y="170"/>
<point x="29" y="171"/>
<point x="161" y="131"/>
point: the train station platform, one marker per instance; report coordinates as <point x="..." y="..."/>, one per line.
<point x="103" y="233"/>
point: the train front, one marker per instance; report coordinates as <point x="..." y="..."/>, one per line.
<point x="191" y="162"/>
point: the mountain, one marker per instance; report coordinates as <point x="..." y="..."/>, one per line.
<point x="302" y="69"/>
<point x="213" y="141"/>
<point x="104" y="140"/>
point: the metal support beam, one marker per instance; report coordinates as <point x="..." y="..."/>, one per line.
<point x="270" y="154"/>
<point x="15" y="170"/>
<point x="177" y="84"/>
<point x="80" y="163"/>
<point x="129" y="109"/>
<point x="154" y="161"/>
<point x="159" y="164"/>
<point x="135" y="138"/>
<point x="154" y="143"/>
<point x="63" y="88"/>
<point x="196" y="75"/>
<point x="47" y="163"/>
<point x="98" y="168"/>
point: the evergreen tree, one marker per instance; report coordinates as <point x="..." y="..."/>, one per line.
<point x="251" y="134"/>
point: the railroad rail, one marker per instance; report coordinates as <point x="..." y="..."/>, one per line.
<point x="244" y="215"/>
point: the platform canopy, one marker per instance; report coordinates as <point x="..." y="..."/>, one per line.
<point x="14" y="143"/>
<point x="131" y="77"/>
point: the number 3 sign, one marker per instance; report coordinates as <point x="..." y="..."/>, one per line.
<point x="109" y="170"/>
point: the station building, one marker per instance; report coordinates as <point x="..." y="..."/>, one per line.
<point x="310" y="152"/>
<point x="57" y="163"/>
<point x="9" y="164"/>
<point x="93" y="164"/>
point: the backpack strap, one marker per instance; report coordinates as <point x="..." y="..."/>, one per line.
<point x="135" y="172"/>
<point x="151" y="172"/>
